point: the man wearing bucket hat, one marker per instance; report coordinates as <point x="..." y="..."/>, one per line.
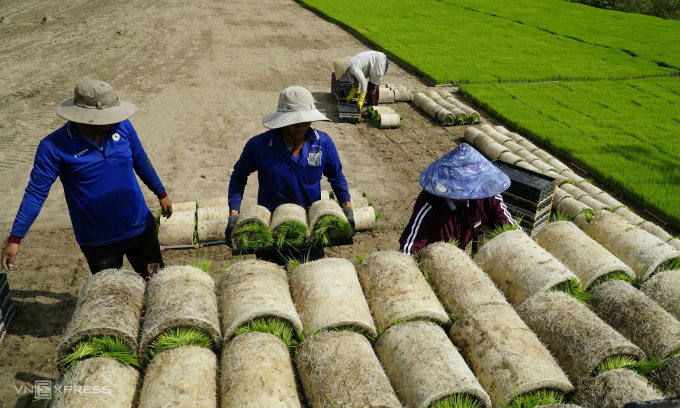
<point x="461" y="193"/>
<point x="290" y="159"/>
<point x="97" y="156"/>
<point x="366" y="70"/>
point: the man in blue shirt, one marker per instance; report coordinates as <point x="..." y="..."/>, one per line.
<point x="97" y="156"/>
<point x="290" y="159"/>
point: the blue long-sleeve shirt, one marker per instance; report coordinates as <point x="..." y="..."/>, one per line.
<point x="283" y="178"/>
<point x="103" y="196"/>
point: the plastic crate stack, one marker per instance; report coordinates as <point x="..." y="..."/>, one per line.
<point x="530" y="196"/>
<point x="347" y="111"/>
<point x="6" y="308"/>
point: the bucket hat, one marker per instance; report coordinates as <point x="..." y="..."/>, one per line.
<point x="95" y="102"/>
<point x="340" y="66"/>
<point x="296" y="105"/>
<point x="463" y="174"/>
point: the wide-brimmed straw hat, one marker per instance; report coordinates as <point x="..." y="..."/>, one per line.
<point x="463" y="174"/>
<point x="296" y="105"/>
<point x="95" y="102"/>
<point x="340" y="65"/>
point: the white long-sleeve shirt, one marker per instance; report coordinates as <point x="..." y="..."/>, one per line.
<point x="367" y="66"/>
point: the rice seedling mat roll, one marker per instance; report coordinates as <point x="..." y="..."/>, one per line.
<point x="505" y="355"/>
<point x="637" y="248"/>
<point x="459" y="283"/>
<point x="520" y="267"/>
<point x="637" y="317"/>
<point x="358" y="198"/>
<point x="570" y="207"/>
<point x="289" y="212"/>
<point x="614" y="389"/>
<point x="183" y="376"/>
<point x="389" y="120"/>
<point x="327" y="294"/>
<point x="255" y="214"/>
<point x="396" y="290"/>
<point x="664" y="289"/>
<point x="364" y="218"/>
<point x="180" y="296"/>
<point x="424" y="366"/>
<point x="251" y="289"/>
<point x="222" y="201"/>
<point x="211" y="231"/>
<point x="112" y="385"/>
<point x="321" y="209"/>
<point x="576" y="336"/>
<point x="212" y="213"/>
<point x="668" y="377"/>
<point x="110" y="304"/>
<point x="184" y="206"/>
<point x="256" y="370"/>
<point x="656" y="230"/>
<point x="340" y="369"/>
<point x="578" y="252"/>
<point x="470" y="134"/>
<point x="629" y="216"/>
<point x="178" y="229"/>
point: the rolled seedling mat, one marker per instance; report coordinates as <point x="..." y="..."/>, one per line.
<point x="396" y="290"/>
<point x="570" y="207"/>
<point x="668" y="377"/>
<point x="327" y="295"/>
<point x="290" y="220"/>
<point x="569" y="174"/>
<point x="574" y="334"/>
<point x="527" y="145"/>
<point x="470" y="134"/>
<point x="482" y="141"/>
<point x="664" y="289"/>
<point x="402" y="95"/>
<point x="493" y="151"/>
<point x="212" y="213"/>
<point x="340" y="369"/>
<point x="656" y="230"/>
<point x="253" y="289"/>
<point x="445" y="117"/>
<point x="389" y="120"/>
<point x="325" y="195"/>
<point x="386" y="95"/>
<point x="596" y="205"/>
<point x="542" y="166"/>
<point x="637" y="248"/>
<point x="179" y="229"/>
<point x="383" y="109"/>
<point x="509" y="157"/>
<point x="180" y="217"/>
<point x="222" y="201"/>
<point x="460" y="284"/>
<point x="184" y="206"/>
<point x="364" y="218"/>
<point x="556" y="164"/>
<point x="520" y="267"/>
<point x="637" y="317"/>
<point x="578" y="252"/>
<point x="424" y="366"/>
<point x="211" y="231"/>
<point x="523" y="164"/>
<point x="257" y="371"/>
<point x="111" y="384"/>
<point x="629" y="216"/>
<point x="589" y="188"/>
<point x="574" y="191"/>
<point x="253" y="215"/>
<point x="517" y="149"/>
<point x="675" y="243"/>
<point x="110" y="304"/>
<point x="495" y="134"/>
<point x="614" y="389"/>
<point x="543" y="155"/>
<point x="322" y="209"/>
<point x="180" y="296"/>
<point x="183" y="376"/>
<point x="505" y="355"/>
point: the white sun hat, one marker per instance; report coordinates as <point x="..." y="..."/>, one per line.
<point x="95" y="102"/>
<point x="296" y="105"/>
<point x="340" y="66"/>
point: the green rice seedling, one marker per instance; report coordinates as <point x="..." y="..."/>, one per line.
<point x="558" y="215"/>
<point x="503" y="228"/>
<point x="428" y="278"/>
<point x="292" y="264"/>
<point x="453" y="241"/>
<point x="329" y="229"/>
<point x="253" y="236"/>
<point x="352" y="329"/>
<point x="668" y="265"/>
<point x="587" y="214"/>
<point x="644" y="368"/>
<point x="290" y="232"/>
<point x="101" y="346"/>
<point x="616" y="275"/>
<point x="364" y="194"/>
<point x="202" y="264"/>
<point x="179" y="336"/>
<point x="536" y="399"/>
<point x="274" y="326"/>
<point x="458" y="401"/>
<point x="574" y="289"/>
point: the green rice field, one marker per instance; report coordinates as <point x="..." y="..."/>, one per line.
<point x="599" y="87"/>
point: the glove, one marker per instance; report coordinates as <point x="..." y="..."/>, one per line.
<point x="360" y="100"/>
<point x="349" y="214"/>
<point x="233" y="219"/>
<point x="352" y="92"/>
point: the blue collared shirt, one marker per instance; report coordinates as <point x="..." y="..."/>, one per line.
<point x="281" y="178"/>
<point x="103" y="196"/>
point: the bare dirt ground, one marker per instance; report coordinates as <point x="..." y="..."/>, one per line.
<point x="203" y="74"/>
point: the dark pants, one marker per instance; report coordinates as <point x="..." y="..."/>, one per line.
<point x="141" y="250"/>
<point x="372" y="94"/>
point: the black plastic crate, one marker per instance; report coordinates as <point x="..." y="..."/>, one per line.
<point x="341" y="87"/>
<point x="348" y="112"/>
<point x="526" y="184"/>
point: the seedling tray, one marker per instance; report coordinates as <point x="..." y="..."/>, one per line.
<point x="526" y="184"/>
<point x="274" y="249"/>
<point x="340" y="87"/>
<point x="348" y="112"/>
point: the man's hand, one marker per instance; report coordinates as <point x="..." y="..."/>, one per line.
<point x="233" y="219"/>
<point x="166" y="206"/>
<point x="360" y="100"/>
<point x="349" y="213"/>
<point x="8" y="255"/>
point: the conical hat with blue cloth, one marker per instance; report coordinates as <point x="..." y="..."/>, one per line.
<point x="463" y="174"/>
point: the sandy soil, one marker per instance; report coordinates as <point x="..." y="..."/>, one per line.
<point x="203" y="74"/>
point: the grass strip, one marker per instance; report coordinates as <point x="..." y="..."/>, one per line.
<point x="644" y="368"/>
<point x="289" y="233"/>
<point x="274" y="326"/>
<point x="177" y="337"/>
<point x="252" y="236"/>
<point x="503" y="228"/>
<point x="101" y="346"/>
<point x="458" y="401"/>
<point x="202" y="264"/>
<point x="536" y="399"/>
<point x="574" y="289"/>
<point x="616" y="275"/>
<point x="329" y="229"/>
<point x="673" y="264"/>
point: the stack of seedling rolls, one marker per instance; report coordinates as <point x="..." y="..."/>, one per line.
<point x="365" y="214"/>
<point x="384" y="117"/>
<point x="211" y="219"/>
<point x="180" y="330"/>
<point x="251" y="231"/>
<point x="472" y="115"/>
<point x="180" y="228"/>
<point x="434" y="110"/>
<point x="614" y="389"/>
<point x="99" y="348"/>
<point x="402" y="93"/>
